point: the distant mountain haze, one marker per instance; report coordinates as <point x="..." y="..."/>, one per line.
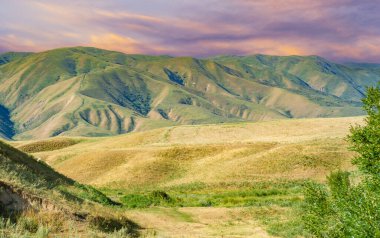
<point x="92" y="92"/>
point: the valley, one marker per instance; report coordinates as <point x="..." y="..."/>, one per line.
<point x="189" y="119"/>
<point x="233" y="180"/>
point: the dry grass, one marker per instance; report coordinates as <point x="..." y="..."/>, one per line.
<point x="47" y="145"/>
<point x="292" y="149"/>
<point x="199" y="222"/>
<point x="221" y="157"/>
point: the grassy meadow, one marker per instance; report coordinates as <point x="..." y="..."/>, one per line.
<point x="231" y="180"/>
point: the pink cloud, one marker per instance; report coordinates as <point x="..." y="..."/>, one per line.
<point x="336" y="29"/>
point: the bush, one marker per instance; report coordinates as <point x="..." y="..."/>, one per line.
<point x="113" y="224"/>
<point x="341" y="209"/>
<point x="159" y="196"/>
<point x="186" y="101"/>
<point x="155" y="198"/>
<point x="365" y="140"/>
<point x="136" y="201"/>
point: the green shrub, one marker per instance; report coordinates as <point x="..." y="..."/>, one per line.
<point x="186" y="101"/>
<point x="341" y="209"/>
<point x="365" y="140"/>
<point x="136" y="201"/>
<point x="113" y="224"/>
<point x="158" y="196"/>
<point x="153" y="198"/>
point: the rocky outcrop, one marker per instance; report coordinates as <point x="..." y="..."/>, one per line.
<point x="14" y="200"/>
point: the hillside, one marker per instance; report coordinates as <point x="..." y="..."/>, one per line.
<point x="92" y="92"/>
<point x="38" y="199"/>
<point x="22" y="171"/>
<point x="185" y="154"/>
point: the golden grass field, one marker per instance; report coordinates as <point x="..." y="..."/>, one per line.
<point x="223" y="157"/>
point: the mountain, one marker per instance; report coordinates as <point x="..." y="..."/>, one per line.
<point x="92" y="92"/>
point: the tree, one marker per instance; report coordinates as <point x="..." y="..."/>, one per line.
<point x="365" y="140"/>
<point x="341" y="209"/>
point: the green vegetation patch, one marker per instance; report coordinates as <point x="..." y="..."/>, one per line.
<point x="258" y="194"/>
<point x="154" y="198"/>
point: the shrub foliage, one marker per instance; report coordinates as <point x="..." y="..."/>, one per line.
<point x="343" y="208"/>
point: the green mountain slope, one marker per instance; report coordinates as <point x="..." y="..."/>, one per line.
<point x="12" y="56"/>
<point x="93" y="92"/>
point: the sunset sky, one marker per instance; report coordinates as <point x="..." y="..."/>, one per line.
<point x="343" y="30"/>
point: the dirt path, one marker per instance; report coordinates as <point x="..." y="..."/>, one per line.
<point x="197" y="222"/>
<point x="164" y="93"/>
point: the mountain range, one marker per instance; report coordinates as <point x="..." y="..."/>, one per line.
<point x="84" y="91"/>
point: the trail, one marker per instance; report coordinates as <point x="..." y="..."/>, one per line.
<point x="158" y="100"/>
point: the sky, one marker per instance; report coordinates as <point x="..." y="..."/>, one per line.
<point x="341" y="30"/>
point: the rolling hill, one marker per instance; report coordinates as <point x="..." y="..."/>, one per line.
<point x="263" y="151"/>
<point x="232" y="180"/>
<point x="92" y="92"/>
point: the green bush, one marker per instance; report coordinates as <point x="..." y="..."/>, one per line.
<point x="154" y="198"/>
<point x="365" y="140"/>
<point x="159" y="196"/>
<point x="113" y="224"/>
<point x="136" y="201"/>
<point x="342" y="209"/>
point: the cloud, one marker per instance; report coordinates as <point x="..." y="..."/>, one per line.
<point x="336" y="29"/>
<point x="11" y="42"/>
<point x="116" y="42"/>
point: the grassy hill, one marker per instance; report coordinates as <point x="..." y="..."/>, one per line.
<point x="233" y="180"/>
<point x="40" y="202"/>
<point x="186" y="154"/>
<point x="92" y="92"/>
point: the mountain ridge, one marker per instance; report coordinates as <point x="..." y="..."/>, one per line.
<point x="86" y="91"/>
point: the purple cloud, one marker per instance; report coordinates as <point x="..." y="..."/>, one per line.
<point x="336" y="29"/>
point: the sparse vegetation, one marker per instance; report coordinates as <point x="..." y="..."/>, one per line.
<point x="110" y="224"/>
